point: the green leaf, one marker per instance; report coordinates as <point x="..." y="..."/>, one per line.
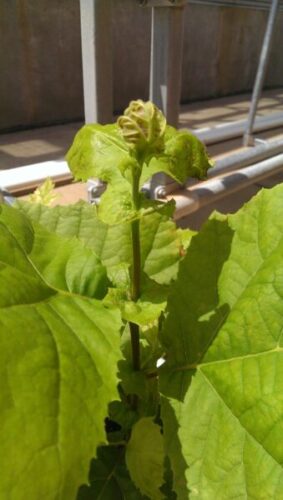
<point x="64" y="263"/>
<point x="145" y="458"/>
<point x="99" y="151"/>
<point x="55" y="383"/>
<point x="223" y="382"/>
<point x="112" y="244"/>
<point x="184" y="156"/>
<point x="109" y="478"/>
<point x="161" y="249"/>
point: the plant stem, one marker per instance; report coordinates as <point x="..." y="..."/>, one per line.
<point x="136" y="273"/>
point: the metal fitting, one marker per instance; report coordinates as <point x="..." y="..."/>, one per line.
<point x="160" y="192"/>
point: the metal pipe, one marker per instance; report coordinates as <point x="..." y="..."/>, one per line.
<point x="29" y="176"/>
<point x="225" y="131"/>
<point x="246" y="157"/>
<point x="264" y="58"/>
<point x="193" y="199"/>
<point x="233" y="161"/>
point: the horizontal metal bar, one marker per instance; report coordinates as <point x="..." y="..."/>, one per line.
<point x="225" y="131"/>
<point x="29" y="176"/>
<point x="247" y="157"/>
<point x="191" y="200"/>
<point x="250" y="4"/>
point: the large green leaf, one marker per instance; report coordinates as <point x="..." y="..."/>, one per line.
<point x="55" y="381"/>
<point x="223" y="382"/>
<point x="161" y="241"/>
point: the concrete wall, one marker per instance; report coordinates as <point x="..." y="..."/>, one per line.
<point x="40" y="56"/>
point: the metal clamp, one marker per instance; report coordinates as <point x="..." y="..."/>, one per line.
<point x="163" y="3"/>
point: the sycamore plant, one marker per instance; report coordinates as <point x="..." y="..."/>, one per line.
<point x="140" y="361"/>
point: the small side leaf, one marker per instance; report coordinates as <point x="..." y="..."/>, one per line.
<point x="99" y="151"/>
<point x="148" y="307"/>
<point x="44" y="193"/>
<point x="184" y="156"/>
<point x="145" y="458"/>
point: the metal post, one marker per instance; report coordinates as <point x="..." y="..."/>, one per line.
<point x="264" y="57"/>
<point x="96" y="38"/>
<point x="166" y="58"/>
<point x="166" y="66"/>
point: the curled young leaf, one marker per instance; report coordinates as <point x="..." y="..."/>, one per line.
<point x="143" y="126"/>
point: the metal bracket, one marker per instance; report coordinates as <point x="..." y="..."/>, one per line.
<point x="163" y="3"/>
<point x="95" y="188"/>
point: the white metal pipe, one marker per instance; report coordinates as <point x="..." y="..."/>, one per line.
<point x="247" y="157"/>
<point x="193" y="199"/>
<point x="29" y="176"/>
<point x="232" y="162"/>
<point x="225" y="131"/>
